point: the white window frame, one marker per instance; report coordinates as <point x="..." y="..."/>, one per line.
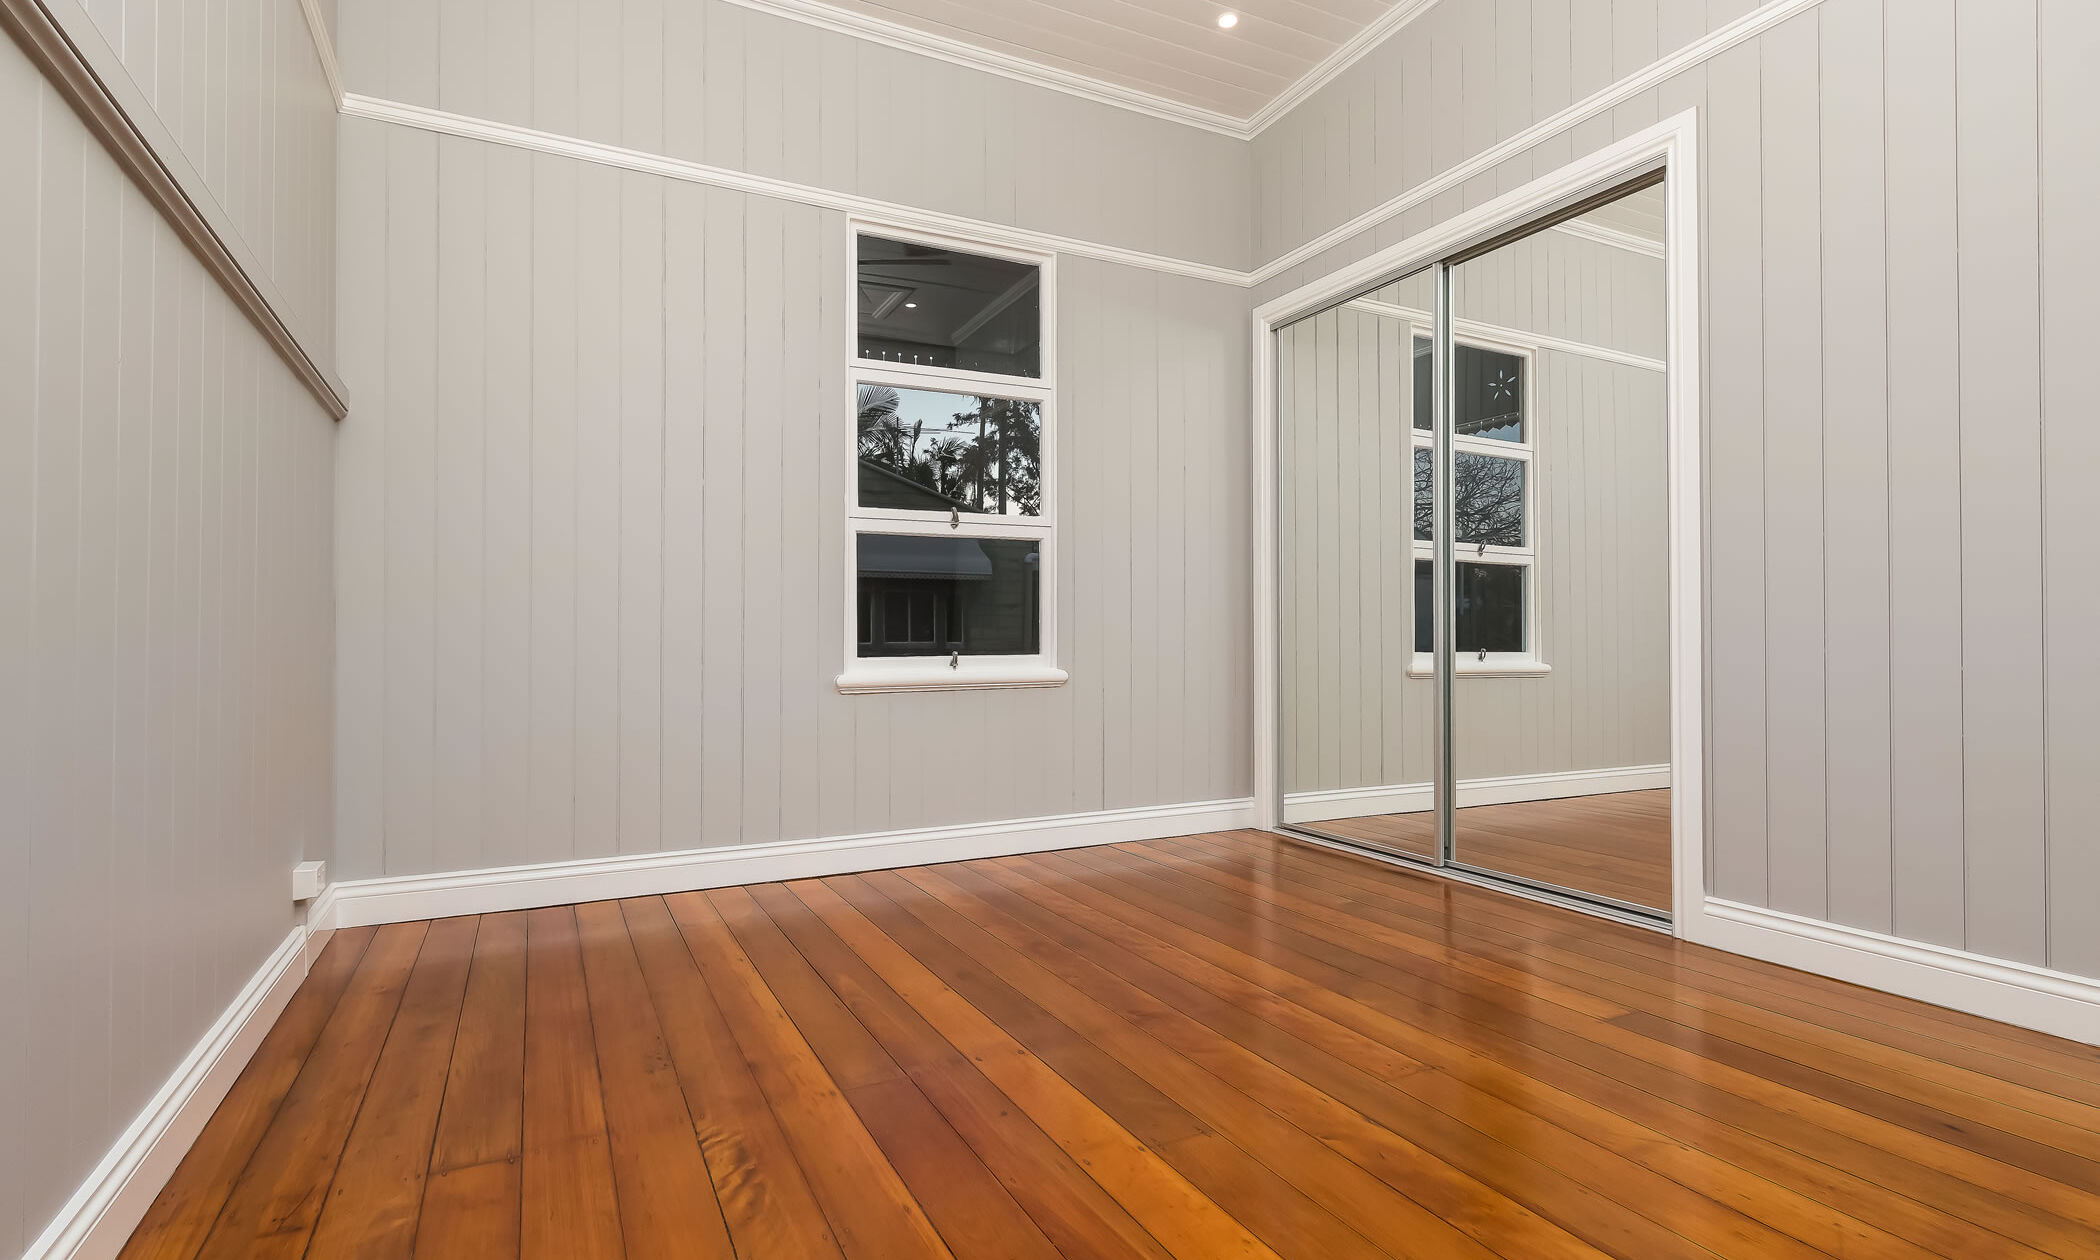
<point x="1531" y="662"/>
<point x="876" y="674"/>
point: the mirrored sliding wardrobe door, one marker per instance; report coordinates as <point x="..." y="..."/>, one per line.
<point x="1560" y="734"/>
<point x="1353" y="419"/>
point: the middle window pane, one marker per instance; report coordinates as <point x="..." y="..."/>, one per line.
<point x="926" y="451"/>
<point x="1490" y="501"/>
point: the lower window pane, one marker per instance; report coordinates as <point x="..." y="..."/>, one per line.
<point x="1490" y="607"/>
<point x="939" y="596"/>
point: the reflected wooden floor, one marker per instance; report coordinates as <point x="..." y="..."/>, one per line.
<point x="1615" y="845"/>
<point x="1217" y="1046"/>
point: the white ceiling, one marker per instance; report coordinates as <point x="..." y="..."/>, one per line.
<point x="1170" y="50"/>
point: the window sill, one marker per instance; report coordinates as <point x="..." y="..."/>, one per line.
<point x="862" y="681"/>
<point x="1424" y="666"/>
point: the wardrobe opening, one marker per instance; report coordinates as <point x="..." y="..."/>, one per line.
<point x="1473" y="560"/>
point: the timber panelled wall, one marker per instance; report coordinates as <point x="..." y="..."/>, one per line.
<point x="1351" y="716"/>
<point x="1901" y="300"/>
<point x="240" y="89"/>
<point x="716" y="83"/>
<point x="599" y="435"/>
<point x="165" y="580"/>
<point x="598" y="452"/>
<point x="598" y="449"/>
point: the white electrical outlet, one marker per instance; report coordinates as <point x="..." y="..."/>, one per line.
<point x="307" y="880"/>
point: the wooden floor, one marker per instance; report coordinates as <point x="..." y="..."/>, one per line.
<point x="1220" y="1046"/>
<point x="1614" y="845"/>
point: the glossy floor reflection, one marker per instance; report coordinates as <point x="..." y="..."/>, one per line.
<point x="1225" y="1045"/>
<point x="1616" y="845"/>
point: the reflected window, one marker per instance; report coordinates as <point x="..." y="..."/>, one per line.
<point x="1490" y="499"/>
<point x="1490" y="612"/>
<point x="1491" y="503"/>
<point x="1489" y="385"/>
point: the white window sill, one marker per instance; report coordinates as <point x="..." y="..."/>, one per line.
<point x="862" y="680"/>
<point x="1424" y="666"/>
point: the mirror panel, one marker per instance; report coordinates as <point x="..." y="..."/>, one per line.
<point x="1561" y="703"/>
<point x="1354" y="707"/>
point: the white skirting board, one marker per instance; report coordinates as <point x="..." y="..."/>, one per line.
<point x="397" y="899"/>
<point x="1412" y="798"/>
<point x="98" y="1220"/>
<point x="2016" y="993"/>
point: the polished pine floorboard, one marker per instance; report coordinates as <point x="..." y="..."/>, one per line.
<point x="1615" y="845"/>
<point x="1217" y="1046"/>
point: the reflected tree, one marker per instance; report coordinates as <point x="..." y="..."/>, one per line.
<point x="1489" y="506"/>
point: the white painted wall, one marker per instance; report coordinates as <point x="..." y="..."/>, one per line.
<point x="239" y="88"/>
<point x="718" y="83"/>
<point x="592" y="524"/>
<point x="165" y="690"/>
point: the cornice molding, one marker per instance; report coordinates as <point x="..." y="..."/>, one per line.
<point x="324" y="49"/>
<point x="1716" y="42"/>
<point x="1631" y="242"/>
<point x="1007" y="66"/>
<point x="1332" y="67"/>
<point x="1705" y="48"/>
<point x="959" y="52"/>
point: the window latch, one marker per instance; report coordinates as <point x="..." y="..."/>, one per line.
<point x="954" y="518"/>
<point x="1483" y="549"/>
<point x="1483" y="654"/>
<point x="954" y="660"/>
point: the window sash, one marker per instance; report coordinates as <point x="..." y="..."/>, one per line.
<point x="1045" y="397"/>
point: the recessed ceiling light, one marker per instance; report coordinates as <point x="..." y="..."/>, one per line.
<point x="1227" y="21"/>
<point x="911" y="306"/>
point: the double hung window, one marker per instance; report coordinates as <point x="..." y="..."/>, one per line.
<point x="951" y="563"/>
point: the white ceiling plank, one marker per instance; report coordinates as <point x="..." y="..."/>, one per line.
<point x="1068" y="32"/>
<point x="1171" y="50"/>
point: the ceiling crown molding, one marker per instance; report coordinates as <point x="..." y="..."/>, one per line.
<point x="1356" y="49"/>
<point x="957" y="52"/>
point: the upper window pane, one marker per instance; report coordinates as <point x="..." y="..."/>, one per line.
<point x="1490" y="392"/>
<point x="940" y="452"/>
<point x="926" y="306"/>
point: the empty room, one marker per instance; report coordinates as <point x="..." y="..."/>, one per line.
<point x="1180" y="629"/>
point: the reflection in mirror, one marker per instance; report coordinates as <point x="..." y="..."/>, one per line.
<point x="1561" y="731"/>
<point x="1355" y="742"/>
<point x="1489" y="504"/>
